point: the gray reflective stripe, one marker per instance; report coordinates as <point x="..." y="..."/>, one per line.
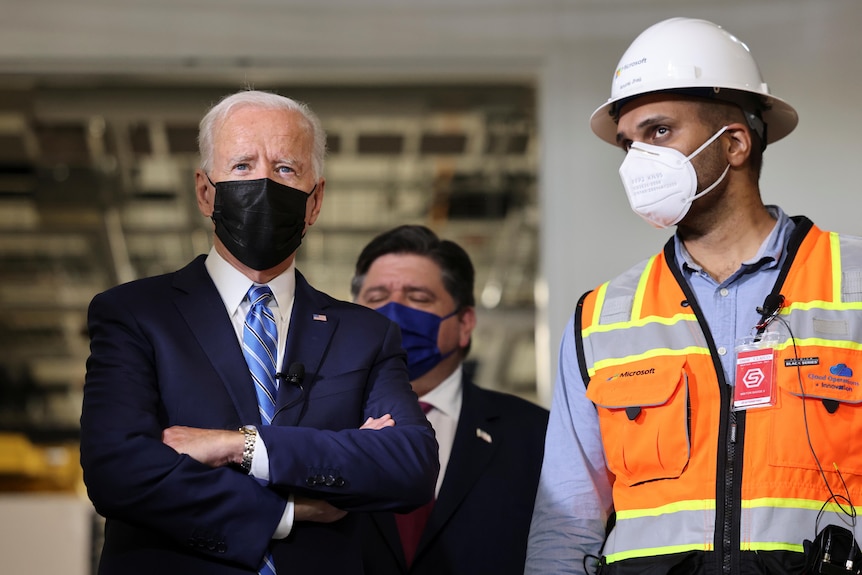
<point x="823" y="323"/>
<point x="773" y="524"/>
<point x="851" y="268"/>
<point x="620" y="294"/>
<point x="633" y="340"/>
<point x="852" y="284"/>
<point x="766" y="525"/>
<point x="659" y="534"/>
<point x="621" y="290"/>
<point x="814" y="325"/>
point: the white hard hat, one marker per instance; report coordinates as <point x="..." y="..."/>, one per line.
<point x="686" y="55"/>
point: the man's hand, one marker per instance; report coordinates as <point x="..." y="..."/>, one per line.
<point x="379" y="422"/>
<point x="315" y="510"/>
<point x="213" y="447"/>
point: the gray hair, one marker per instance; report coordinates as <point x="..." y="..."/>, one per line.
<point x="257" y="99"/>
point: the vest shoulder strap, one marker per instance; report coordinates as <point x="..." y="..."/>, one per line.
<point x="616" y="305"/>
<point x="579" y="339"/>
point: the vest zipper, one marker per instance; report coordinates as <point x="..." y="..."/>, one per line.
<point x="728" y="451"/>
<point x="728" y="514"/>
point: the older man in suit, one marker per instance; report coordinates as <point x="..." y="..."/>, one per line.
<point x="232" y="414"/>
<point x="491" y="443"/>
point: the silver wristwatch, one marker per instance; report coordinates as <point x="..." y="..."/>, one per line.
<point x="248" y="449"/>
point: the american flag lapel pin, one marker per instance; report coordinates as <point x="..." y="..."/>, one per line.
<point x="318" y="317"/>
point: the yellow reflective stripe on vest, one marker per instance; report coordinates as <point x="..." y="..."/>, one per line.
<point x="638" y="323"/>
<point x="656" y="551"/>
<point x="653" y="353"/>
<point x="693" y="505"/>
<point x="637" y="304"/>
<point x="645" y="338"/>
<point x="820" y="342"/>
<point x="819" y="304"/>
<point x="835" y="245"/>
<point x="600" y="303"/>
<point x="645" y="530"/>
<point x="781" y="525"/>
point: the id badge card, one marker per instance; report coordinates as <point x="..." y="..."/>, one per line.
<point x="755" y="372"/>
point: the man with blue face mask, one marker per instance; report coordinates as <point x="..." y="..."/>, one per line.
<point x="695" y="422"/>
<point x="490" y="442"/>
<point x="234" y="417"/>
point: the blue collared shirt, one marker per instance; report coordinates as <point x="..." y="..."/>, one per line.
<point x="574" y="498"/>
<point x="730" y="307"/>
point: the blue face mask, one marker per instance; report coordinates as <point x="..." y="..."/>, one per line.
<point x="419" y="330"/>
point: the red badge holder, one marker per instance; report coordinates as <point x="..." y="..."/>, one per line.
<point x="755" y="372"/>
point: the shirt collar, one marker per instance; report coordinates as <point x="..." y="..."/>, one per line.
<point x="768" y="255"/>
<point x="447" y="396"/>
<point x="233" y="285"/>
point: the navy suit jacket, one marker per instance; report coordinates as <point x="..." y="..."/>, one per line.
<point x="480" y="522"/>
<point x="164" y="353"/>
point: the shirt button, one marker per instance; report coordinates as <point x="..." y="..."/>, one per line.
<point x="723" y="292"/>
<point x="722" y="351"/>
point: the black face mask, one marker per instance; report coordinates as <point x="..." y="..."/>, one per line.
<point x="260" y="222"/>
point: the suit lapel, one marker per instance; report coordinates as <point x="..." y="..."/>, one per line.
<point x="311" y="329"/>
<point x="385" y="522"/>
<point x="199" y="303"/>
<point x="470" y="456"/>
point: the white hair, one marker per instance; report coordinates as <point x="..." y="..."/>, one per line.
<point x="257" y="99"/>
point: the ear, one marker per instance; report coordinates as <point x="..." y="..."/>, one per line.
<point x="466" y="324"/>
<point x="314" y="203"/>
<point x="205" y="193"/>
<point x="738" y="144"/>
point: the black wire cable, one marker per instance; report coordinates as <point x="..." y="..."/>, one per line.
<point x="840" y="500"/>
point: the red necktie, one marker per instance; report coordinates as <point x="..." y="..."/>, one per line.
<point x="411" y="525"/>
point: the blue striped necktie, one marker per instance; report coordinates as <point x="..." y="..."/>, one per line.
<point x="259" y="346"/>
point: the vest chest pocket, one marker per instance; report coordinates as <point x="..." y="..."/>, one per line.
<point x="644" y="419"/>
<point x="831" y="405"/>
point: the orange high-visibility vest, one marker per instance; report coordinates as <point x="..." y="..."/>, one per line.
<point x="670" y="438"/>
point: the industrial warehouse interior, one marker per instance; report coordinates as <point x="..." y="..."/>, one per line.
<point x="469" y="117"/>
<point x="97" y="189"/>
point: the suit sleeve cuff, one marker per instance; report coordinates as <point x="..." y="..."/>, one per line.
<point x="260" y="460"/>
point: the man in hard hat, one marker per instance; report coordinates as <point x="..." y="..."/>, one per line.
<point x="707" y="406"/>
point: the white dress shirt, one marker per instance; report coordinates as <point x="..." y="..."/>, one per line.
<point x="446" y="400"/>
<point x="232" y="286"/>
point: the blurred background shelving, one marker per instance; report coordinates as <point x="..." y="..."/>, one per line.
<point x="97" y="188"/>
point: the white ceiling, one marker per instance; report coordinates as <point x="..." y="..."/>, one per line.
<point x="368" y="40"/>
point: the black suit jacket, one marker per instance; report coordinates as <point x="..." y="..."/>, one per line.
<point x="480" y="522"/>
<point x="164" y="353"/>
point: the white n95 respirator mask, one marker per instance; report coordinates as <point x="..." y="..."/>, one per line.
<point x="661" y="183"/>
